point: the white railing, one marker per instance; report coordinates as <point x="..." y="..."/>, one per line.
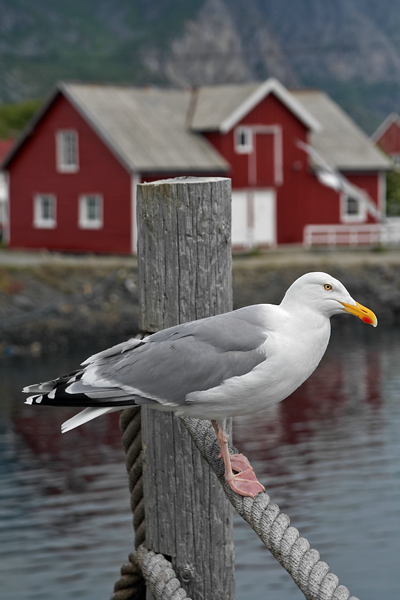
<point x="387" y="233"/>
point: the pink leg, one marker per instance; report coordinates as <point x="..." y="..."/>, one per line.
<point x="245" y="482"/>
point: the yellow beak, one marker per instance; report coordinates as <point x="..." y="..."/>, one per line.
<point x="361" y="312"/>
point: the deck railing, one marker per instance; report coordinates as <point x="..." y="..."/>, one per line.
<point x="387" y="233"/>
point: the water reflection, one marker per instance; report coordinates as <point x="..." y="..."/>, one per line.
<point x="329" y="457"/>
<point x="66" y="522"/>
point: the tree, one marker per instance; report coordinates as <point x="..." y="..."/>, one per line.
<point x="14" y="117"/>
<point x="393" y="193"/>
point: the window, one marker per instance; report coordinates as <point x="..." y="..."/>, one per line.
<point x="44" y="211"/>
<point x="352" y="206"/>
<point x="244" y="140"/>
<point x="3" y="220"/>
<point x="353" y="209"/>
<point x="67" y="151"/>
<point x="3" y="202"/>
<point x="91" y="211"/>
<point x="396" y="161"/>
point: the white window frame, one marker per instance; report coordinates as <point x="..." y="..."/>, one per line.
<point x="358" y="217"/>
<point x="247" y="147"/>
<point x="84" y="221"/>
<point x="63" y="165"/>
<point x="396" y="160"/>
<point x="39" y="220"/>
<point x="3" y="212"/>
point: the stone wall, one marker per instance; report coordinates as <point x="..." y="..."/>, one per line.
<point x="46" y="308"/>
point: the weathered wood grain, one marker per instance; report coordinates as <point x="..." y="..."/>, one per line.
<point x="184" y="253"/>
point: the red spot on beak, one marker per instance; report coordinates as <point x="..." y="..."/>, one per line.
<point x="366" y="315"/>
<point x="367" y="320"/>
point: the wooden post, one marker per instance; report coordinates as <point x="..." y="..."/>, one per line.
<point x="184" y="253"/>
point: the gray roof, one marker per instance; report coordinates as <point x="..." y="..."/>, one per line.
<point x="214" y="104"/>
<point x="158" y="130"/>
<point x="340" y="141"/>
<point x="221" y="107"/>
<point x="146" y="128"/>
<point x="393" y="118"/>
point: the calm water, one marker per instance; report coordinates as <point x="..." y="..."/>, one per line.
<point x="329" y="457"/>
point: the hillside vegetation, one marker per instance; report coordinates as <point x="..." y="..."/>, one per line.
<point x="349" y="48"/>
<point x="14" y="117"/>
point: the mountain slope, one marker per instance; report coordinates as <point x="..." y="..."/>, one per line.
<point x="44" y="41"/>
<point x="350" y="48"/>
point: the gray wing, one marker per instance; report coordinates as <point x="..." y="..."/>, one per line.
<point x="194" y="356"/>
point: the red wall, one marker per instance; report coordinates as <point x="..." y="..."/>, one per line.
<point x="369" y="182"/>
<point x="34" y="171"/>
<point x="301" y="199"/>
<point x="390" y="140"/>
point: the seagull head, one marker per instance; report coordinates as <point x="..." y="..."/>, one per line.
<point x="327" y="296"/>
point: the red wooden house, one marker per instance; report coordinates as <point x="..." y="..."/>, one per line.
<point x="295" y="160"/>
<point x="387" y="137"/>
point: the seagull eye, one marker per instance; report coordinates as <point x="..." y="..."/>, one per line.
<point x="328" y="286"/>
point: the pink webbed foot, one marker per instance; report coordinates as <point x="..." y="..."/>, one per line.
<point x="245" y="482"/>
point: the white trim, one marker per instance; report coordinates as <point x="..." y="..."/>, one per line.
<point x="83" y="220"/>
<point x="246" y="148"/>
<point x="395" y="156"/>
<point x="384" y="126"/>
<point x="60" y="165"/>
<point x="7" y="233"/>
<point x="359" y="217"/>
<point x="278" y="151"/>
<point x="270" y="86"/>
<point x="4" y="204"/>
<point x="135" y="180"/>
<point x="252" y="167"/>
<point x="353" y="235"/>
<point x="3" y="220"/>
<point x="38" y="221"/>
<point x="382" y="193"/>
<point x="332" y="178"/>
<point x="276" y="131"/>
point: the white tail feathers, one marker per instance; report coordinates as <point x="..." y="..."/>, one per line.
<point x="86" y="415"/>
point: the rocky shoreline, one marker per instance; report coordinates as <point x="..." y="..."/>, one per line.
<point x="61" y="303"/>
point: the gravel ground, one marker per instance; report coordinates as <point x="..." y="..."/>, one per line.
<point x="51" y="302"/>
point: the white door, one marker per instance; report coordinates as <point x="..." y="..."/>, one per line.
<point x="264" y="217"/>
<point x="239" y="219"/>
<point x="253" y="218"/>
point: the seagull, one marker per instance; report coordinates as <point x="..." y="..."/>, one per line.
<point x="223" y="366"/>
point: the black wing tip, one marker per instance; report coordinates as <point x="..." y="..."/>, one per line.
<point x="61" y="398"/>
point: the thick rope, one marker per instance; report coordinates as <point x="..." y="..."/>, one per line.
<point x="131" y="585"/>
<point x="159" y="575"/>
<point x="130" y="424"/>
<point x="293" y="552"/>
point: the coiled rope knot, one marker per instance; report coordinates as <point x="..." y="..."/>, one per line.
<point x="159" y="575"/>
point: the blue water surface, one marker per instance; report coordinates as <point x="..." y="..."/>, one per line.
<point x="329" y="456"/>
